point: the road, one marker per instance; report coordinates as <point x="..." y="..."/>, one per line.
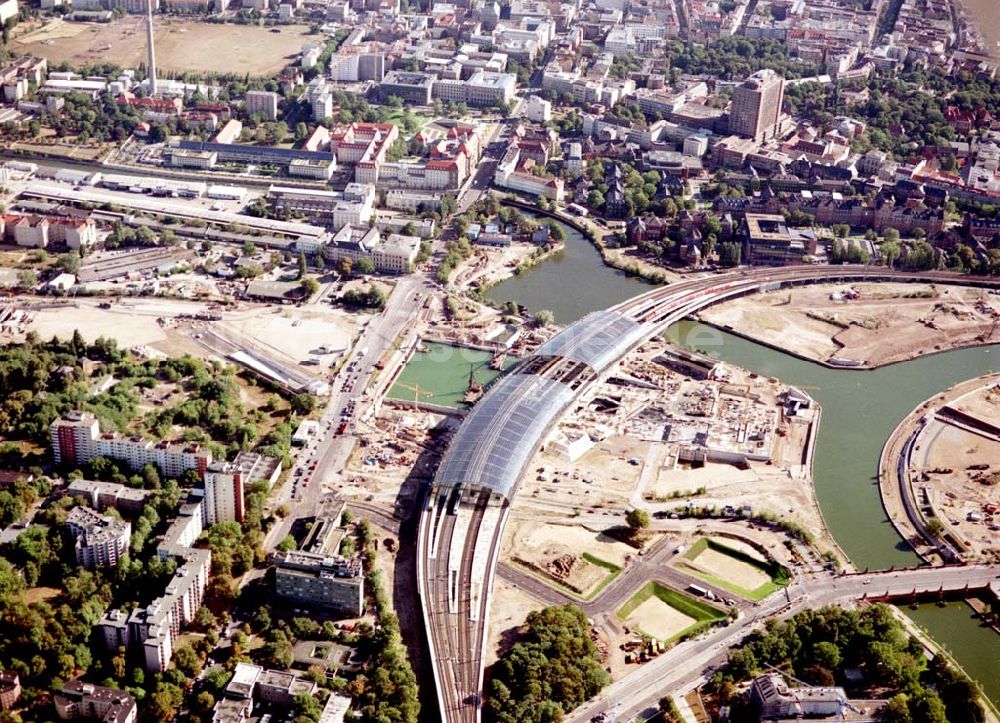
<point x="579" y="356"/>
<point x="681" y="666"/>
<point x="318" y="469"/>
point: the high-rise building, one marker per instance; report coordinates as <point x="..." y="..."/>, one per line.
<point x="264" y="102"/>
<point x="223" y="493"/>
<point x="756" y="109"/>
<point x="99" y="541"/>
<point x="76" y="439"/>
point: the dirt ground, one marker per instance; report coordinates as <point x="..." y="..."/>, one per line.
<point x="181" y="45"/>
<point x="723" y="566"/>
<point x="540" y="543"/>
<point x="299" y="333"/>
<point x="945" y="456"/>
<point x="510" y="607"/>
<point x="808" y="321"/>
<point x="658" y="619"/>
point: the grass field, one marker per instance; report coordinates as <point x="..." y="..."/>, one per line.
<point x="701" y="614"/>
<point x="740" y="575"/>
<point x="181" y="45"/>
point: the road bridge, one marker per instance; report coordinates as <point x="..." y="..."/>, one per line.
<point x="457" y="557"/>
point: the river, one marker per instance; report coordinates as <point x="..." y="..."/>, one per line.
<point x="860" y="410"/>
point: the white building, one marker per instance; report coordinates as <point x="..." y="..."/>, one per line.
<point x="99" y="541"/>
<point x="223" y="493"/>
<point x="8" y="10"/>
<point x="538" y="109"/>
<point x="396" y="254"/>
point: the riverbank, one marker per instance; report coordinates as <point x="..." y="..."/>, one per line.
<point x="862" y="326"/>
<point x="911" y="510"/>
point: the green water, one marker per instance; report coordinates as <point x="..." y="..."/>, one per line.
<point x="570" y="283"/>
<point x="441" y="374"/>
<point x="860" y="410"/>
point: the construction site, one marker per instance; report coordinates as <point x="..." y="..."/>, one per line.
<point x="863" y="325"/>
<point x="953" y="471"/>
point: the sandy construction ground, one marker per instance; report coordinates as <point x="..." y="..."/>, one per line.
<point x="888" y="323"/>
<point x="181" y="45"/>
<point x="541" y="543"/>
<point x="764" y="487"/>
<point x="510" y="607"/>
<point x="729" y="568"/>
<point x="298" y="333"/>
<point x="658" y="619"/>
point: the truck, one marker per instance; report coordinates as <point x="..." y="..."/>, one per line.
<point x="698" y="590"/>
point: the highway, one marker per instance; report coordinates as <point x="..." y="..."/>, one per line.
<point x="580" y="355"/>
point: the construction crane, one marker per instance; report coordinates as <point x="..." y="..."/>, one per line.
<point x="417" y="392"/>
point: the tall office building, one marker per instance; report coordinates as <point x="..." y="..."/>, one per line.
<point x="756" y="109"/>
<point x="223" y="493"/>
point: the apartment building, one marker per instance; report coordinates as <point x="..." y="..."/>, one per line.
<point x="76" y="439"/>
<point x="17" y="77"/>
<point x="223" y="493"/>
<point x="10" y="689"/>
<point x="153" y="629"/>
<point x="105" y="495"/>
<point x="99" y="541"/>
<point x="263" y="102"/>
<point x="756" y="106"/>
<point x="330" y="582"/>
<point x="510" y="173"/>
<point x="353" y="65"/>
<point x="85" y="701"/>
<point x="352" y="242"/>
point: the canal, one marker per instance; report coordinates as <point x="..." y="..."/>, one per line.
<point x="860" y="410"/>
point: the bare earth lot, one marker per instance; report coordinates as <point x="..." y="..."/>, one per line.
<point x="181" y="45"/>
<point x="658" y="619"/>
<point x="729" y="568"/>
<point x="887" y="323"/>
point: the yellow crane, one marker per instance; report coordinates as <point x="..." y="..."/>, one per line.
<point x="417" y="392"/>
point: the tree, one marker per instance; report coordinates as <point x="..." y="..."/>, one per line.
<point x="288" y="544"/>
<point x="249" y="248"/>
<point x="729" y="254"/>
<point x="934" y="527"/>
<point x="310" y="286"/>
<point x="543" y="317"/>
<point x="303" y="403"/>
<point x="345" y="266"/>
<point x="637" y="519"/>
<point x="26" y="279"/>
<point x="890" y="252"/>
<point x="550" y="670"/>
<point x="364" y="266"/>
<point x="69" y="262"/>
<point x="303" y="266"/>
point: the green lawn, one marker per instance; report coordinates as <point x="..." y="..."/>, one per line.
<point x="706" y="615"/>
<point x="780" y="576"/>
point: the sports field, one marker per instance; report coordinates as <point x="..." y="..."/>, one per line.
<point x="740" y="571"/>
<point x="181" y="45"/>
<point x="666" y="614"/>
